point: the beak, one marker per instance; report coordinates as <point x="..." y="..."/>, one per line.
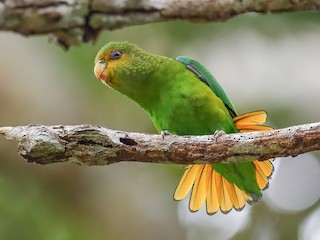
<point x="100" y="70"/>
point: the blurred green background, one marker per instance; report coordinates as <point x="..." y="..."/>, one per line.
<point x="264" y="62"/>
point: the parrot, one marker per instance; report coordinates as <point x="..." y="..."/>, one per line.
<point x="183" y="98"/>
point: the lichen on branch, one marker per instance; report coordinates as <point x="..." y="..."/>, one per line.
<point x="72" y="22"/>
<point x="94" y="145"/>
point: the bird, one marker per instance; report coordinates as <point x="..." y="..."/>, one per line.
<point x="182" y="97"/>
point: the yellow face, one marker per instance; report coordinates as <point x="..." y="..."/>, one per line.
<point x="105" y="63"/>
<point x="126" y="68"/>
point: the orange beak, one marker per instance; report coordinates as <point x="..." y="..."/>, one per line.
<point x="100" y="70"/>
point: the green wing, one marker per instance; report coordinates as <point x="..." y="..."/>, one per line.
<point x="205" y="76"/>
<point x="242" y="174"/>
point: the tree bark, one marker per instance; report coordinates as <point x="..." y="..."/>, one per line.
<point x="72" y="22"/>
<point x="94" y="145"/>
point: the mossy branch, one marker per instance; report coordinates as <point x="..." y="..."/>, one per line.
<point x="72" y="22"/>
<point x="94" y="145"/>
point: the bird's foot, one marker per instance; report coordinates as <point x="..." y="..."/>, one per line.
<point x="164" y="133"/>
<point x="218" y="134"/>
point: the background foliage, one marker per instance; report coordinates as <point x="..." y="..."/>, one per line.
<point x="264" y="62"/>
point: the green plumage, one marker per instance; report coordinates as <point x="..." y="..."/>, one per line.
<point x="181" y="99"/>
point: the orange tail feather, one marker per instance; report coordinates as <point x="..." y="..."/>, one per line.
<point x="208" y="185"/>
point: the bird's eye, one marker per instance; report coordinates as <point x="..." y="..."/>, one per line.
<point x="115" y="55"/>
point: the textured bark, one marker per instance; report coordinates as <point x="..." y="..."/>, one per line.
<point x="93" y="145"/>
<point x="71" y="22"/>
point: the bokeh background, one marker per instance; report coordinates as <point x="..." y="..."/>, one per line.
<point x="269" y="62"/>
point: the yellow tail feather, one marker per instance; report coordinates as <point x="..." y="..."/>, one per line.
<point x="241" y="196"/>
<point x="208" y="185"/>
<point x="199" y="190"/>
<point x="187" y="181"/>
<point x="212" y="202"/>
<point x="262" y="178"/>
<point x="266" y="167"/>
<point x="237" y="201"/>
<point x="226" y="204"/>
<point x="251" y="118"/>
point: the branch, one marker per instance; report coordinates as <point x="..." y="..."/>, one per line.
<point x="94" y="145"/>
<point x="71" y="22"/>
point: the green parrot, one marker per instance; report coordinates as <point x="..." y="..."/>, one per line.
<point x="182" y="97"/>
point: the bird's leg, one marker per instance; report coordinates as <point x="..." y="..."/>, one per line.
<point x="217" y="134"/>
<point x="164" y="133"/>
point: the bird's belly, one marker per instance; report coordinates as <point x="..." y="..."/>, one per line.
<point x="191" y="119"/>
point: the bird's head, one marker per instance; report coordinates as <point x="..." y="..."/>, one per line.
<point x="124" y="66"/>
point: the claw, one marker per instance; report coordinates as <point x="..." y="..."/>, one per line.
<point x="164" y="133"/>
<point x="217" y="134"/>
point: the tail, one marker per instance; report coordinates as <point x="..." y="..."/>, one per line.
<point x="210" y="186"/>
